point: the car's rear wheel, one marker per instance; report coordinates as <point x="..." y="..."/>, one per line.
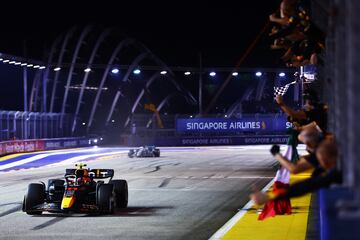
<point x="131" y="153"/>
<point x="104" y="198"/>
<point x="157" y="152"/>
<point x="35" y="196"/>
<point x="121" y="193"/>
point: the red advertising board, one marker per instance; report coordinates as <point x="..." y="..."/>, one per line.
<point x="19" y="146"/>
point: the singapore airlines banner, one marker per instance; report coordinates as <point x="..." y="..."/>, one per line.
<point x="261" y="124"/>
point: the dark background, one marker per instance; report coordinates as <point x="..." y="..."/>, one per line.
<point x="176" y="31"/>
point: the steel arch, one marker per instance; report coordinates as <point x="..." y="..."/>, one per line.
<point x="138" y="59"/>
<point x="84" y="33"/>
<point x="34" y="91"/>
<point x="122" y="44"/>
<point x="189" y="97"/>
<point x="245" y="96"/>
<point x="141" y="94"/>
<point x="59" y="62"/>
<point x="162" y="103"/>
<point x="47" y="71"/>
<point x="101" y="38"/>
<point x="147" y="85"/>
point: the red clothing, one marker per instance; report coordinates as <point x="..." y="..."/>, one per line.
<point x="278" y="206"/>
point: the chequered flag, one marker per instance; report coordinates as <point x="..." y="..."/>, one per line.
<point x="283" y="89"/>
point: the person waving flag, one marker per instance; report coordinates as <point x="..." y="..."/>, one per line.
<point x="282" y="181"/>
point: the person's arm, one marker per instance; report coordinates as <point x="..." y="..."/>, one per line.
<point x="298" y="189"/>
<point x="307" y="126"/>
<point x="281" y="21"/>
<point x="310" y="185"/>
<point x="287" y="29"/>
<point x="300" y="166"/>
<point x="290" y="112"/>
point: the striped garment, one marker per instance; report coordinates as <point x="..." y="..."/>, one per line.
<point x="281" y="181"/>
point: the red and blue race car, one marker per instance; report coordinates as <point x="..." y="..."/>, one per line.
<point x="82" y="190"/>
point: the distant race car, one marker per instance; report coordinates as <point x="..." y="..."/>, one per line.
<point x="83" y="190"/>
<point x="145" y="151"/>
<point x="95" y="140"/>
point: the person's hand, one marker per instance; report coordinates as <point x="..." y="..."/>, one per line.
<point x="279" y="99"/>
<point x="274" y="30"/>
<point x="275" y="149"/>
<point x="272" y="17"/>
<point x="259" y="198"/>
<point x="296" y="126"/>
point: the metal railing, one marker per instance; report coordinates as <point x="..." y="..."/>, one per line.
<point x="32" y="125"/>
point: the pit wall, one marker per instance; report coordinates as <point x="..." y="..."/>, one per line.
<point x="33" y="145"/>
<point x="131" y="140"/>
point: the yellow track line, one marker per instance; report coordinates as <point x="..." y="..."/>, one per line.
<point x="111" y="156"/>
<point x="12" y="156"/>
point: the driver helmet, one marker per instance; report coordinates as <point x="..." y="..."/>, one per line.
<point x="82" y="176"/>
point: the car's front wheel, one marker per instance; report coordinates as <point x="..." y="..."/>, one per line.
<point x="121" y="193"/>
<point x="104" y="198"/>
<point x="157" y="152"/>
<point x="35" y="196"/>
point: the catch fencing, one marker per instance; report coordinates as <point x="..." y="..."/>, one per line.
<point x="33" y="125"/>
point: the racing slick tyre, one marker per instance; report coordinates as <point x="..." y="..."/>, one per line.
<point x="131" y="153"/>
<point x="35" y="196"/>
<point x="157" y="153"/>
<point x="121" y="193"/>
<point x="105" y="198"/>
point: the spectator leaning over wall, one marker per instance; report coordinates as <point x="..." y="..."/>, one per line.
<point x="313" y="112"/>
<point x="327" y="155"/>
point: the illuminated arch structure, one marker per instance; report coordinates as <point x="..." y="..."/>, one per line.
<point x="97" y="97"/>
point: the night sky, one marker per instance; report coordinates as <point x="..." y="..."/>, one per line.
<point x="176" y="31"/>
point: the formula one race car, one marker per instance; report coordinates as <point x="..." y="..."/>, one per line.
<point x="145" y="151"/>
<point x="83" y="190"/>
<point x="95" y="140"/>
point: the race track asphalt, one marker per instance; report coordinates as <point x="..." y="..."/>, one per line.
<point x="187" y="193"/>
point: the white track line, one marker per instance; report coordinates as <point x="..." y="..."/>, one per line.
<point x="36" y="157"/>
<point x="83" y="157"/>
<point x="229" y="224"/>
<point x="41" y="156"/>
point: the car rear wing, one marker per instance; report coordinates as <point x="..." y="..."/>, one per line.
<point x="98" y="173"/>
<point x="102" y="173"/>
